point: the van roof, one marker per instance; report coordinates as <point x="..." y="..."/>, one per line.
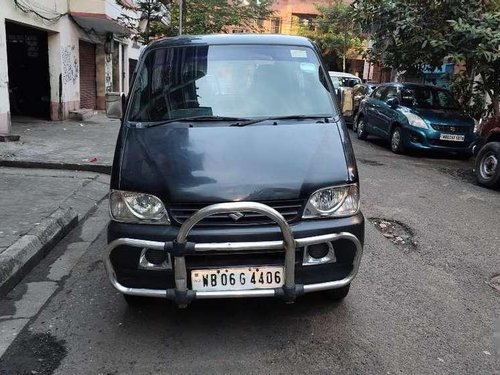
<point x="277" y="39"/>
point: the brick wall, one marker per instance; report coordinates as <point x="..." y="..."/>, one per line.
<point x="87" y="76"/>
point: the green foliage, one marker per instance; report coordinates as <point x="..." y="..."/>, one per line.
<point x="469" y="95"/>
<point x="408" y="34"/>
<point x="335" y="32"/>
<point x="217" y="16"/>
<point x="478" y="40"/>
<point x="147" y="20"/>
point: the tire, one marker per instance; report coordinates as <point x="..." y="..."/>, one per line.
<point x="355" y="123"/>
<point x="338" y="294"/>
<point x="136" y="301"/>
<point x="397" y="140"/>
<point x="360" y="129"/>
<point x="488" y="165"/>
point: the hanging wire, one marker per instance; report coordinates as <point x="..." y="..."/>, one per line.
<point x="47" y="15"/>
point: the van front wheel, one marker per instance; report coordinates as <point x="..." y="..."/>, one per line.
<point x="136" y="301"/>
<point x="338" y="294"/>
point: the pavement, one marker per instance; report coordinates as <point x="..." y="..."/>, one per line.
<point x="44" y="189"/>
<point x="72" y="145"/>
<point x="39" y="207"/>
<point x="426" y="307"/>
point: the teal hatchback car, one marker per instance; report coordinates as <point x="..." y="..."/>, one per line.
<point x="412" y="116"/>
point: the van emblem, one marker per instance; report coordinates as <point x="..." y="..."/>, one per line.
<point x="452" y="128"/>
<point x="236" y="215"/>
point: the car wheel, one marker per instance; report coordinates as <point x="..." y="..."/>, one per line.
<point x="397" y="140"/>
<point x="136" y="301"/>
<point x="488" y="165"/>
<point x="360" y="129"/>
<point x="337" y="294"/>
<point x="355" y="123"/>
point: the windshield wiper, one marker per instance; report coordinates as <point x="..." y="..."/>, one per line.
<point x="196" y="118"/>
<point x="290" y="117"/>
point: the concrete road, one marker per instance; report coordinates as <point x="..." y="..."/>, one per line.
<point x="424" y="308"/>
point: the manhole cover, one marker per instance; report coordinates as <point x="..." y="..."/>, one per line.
<point x="395" y="231"/>
<point x="495" y="283"/>
<point x="460" y="174"/>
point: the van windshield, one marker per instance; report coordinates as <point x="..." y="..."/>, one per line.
<point x="244" y="81"/>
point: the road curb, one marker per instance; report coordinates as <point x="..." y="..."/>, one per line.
<point x="20" y="257"/>
<point x="84" y="167"/>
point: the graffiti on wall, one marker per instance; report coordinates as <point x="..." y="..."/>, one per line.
<point x="108" y="74"/>
<point x="70" y="68"/>
<point x="109" y="82"/>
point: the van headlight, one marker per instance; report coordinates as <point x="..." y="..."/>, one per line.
<point x="131" y="207"/>
<point x="415" y="120"/>
<point x="335" y="201"/>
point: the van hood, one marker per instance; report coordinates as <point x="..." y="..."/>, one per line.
<point x="209" y="164"/>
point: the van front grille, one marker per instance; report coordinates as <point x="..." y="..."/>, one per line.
<point x="291" y="211"/>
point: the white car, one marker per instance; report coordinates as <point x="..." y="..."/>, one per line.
<point x="341" y="79"/>
<point x="343" y="84"/>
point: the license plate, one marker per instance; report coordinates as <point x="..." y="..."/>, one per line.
<point x="452" y="137"/>
<point x="238" y="278"/>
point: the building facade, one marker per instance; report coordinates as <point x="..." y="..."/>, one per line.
<point x="58" y="56"/>
<point x="289" y="14"/>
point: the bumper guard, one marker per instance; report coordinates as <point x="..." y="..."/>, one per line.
<point x="180" y="247"/>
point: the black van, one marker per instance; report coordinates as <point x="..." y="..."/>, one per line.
<point x="233" y="175"/>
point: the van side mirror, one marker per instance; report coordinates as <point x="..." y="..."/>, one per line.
<point x="393" y="102"/>
<point x="114" y="104"/>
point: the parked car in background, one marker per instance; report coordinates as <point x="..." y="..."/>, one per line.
<point x="359" y="92"/>
<point x="341" y="79"/>
<point x="224" y="187"/>
<point x="344" y="84"/>
<point x="412" y="116"/>
<point x="487" y="151"/>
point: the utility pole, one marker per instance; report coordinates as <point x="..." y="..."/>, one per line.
<point x="181" y="5"/>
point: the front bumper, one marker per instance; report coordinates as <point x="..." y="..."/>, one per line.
<point x="207" y="241"/>
<point x="419" y="139"/>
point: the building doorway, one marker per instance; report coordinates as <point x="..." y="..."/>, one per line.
<point x="88" y="90"/>
<point x="28" y="65"/>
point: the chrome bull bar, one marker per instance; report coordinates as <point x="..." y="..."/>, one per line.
<point x="181" y="247"/>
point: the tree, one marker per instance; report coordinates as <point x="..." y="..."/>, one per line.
<point x="150" y="19"/>
<point x="218" y="16"/>
<point x="478" y="38"/>
<point x="335" y="31"/>
<point x="147" y="19"/>
<point x="411" y="34"/>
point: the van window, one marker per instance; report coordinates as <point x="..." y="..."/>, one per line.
<point x="248" y="81"/>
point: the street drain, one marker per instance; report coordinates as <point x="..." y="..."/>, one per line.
<point x="460" y="174"/>
<point x="495" y="283"/>
<point x="395" y="231"/>
<point x="369" y="162"/>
